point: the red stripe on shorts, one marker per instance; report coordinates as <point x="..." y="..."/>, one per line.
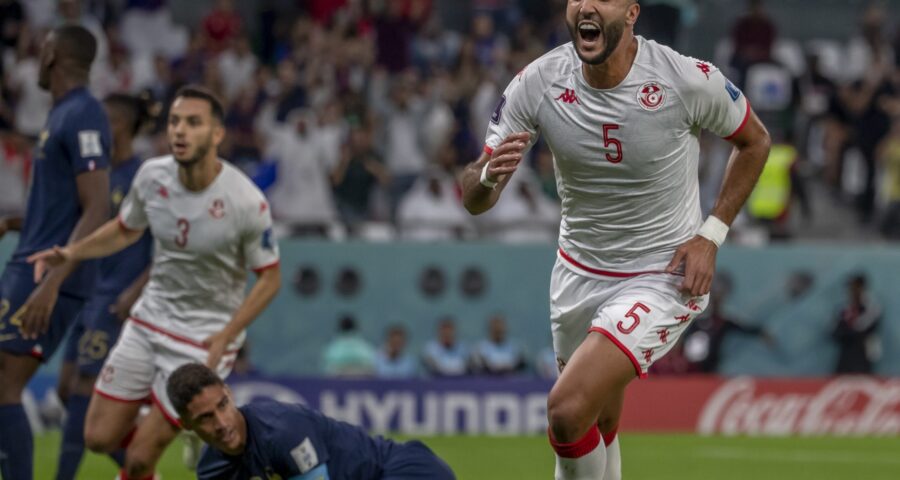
<point x="637" y="366"/>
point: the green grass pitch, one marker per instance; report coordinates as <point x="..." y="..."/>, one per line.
<point x="650" y="457"/>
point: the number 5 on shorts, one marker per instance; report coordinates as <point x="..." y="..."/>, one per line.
<point x="634" y="316"/>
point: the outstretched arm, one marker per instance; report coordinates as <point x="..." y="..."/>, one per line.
<point x="751" y="150"/>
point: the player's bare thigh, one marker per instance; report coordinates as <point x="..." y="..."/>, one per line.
<point x="589" y="389"/>
<point x="108" y="422"/>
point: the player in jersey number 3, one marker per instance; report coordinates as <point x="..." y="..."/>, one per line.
<point x="211" y="224"/>
<point x="622" y="116"/>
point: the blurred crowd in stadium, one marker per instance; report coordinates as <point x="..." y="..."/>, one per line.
<point x="354" y="115"/>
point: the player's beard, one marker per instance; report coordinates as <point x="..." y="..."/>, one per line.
<point x="612" y="35"/>
<point x="202" y="150"/>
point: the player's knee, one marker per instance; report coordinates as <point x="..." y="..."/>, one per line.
<point x="10" y="388"/>
<point x="137" y="468"/>
<point x="564" y="414"/>
<point x="98" y="440"/>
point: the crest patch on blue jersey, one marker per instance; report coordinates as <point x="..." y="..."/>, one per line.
<point x="305" y="456"/>
<point x="267" y="239"/>
<point x="89" y="143"/>
<point x="498" y="112"/>
<point x="732" y="90"/>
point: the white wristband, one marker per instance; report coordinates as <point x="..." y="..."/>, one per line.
<point x="485" y="181"/>
<point x="714" y="230"/>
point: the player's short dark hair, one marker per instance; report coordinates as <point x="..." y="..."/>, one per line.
<point x="186" y="382"/>
<point x="75" y="44"/>
<point x="142" y="109"/>
<point x="203" y="93"/>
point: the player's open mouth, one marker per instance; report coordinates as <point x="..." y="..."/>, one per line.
<point x="589" y="32"/>
<point x="179" y="147"/>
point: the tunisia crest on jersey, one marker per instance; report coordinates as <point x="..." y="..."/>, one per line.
<point x="651" y="96"/>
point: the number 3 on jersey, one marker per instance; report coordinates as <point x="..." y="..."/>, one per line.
<point x="609" y="141"/>
<point x="184" y="226"/>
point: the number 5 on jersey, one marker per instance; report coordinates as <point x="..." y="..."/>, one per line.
<point x="609" y="141"/>
<point x="635" y="318"/>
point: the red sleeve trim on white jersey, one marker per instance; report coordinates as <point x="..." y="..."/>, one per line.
<point x="743" y="122"/>
<point x="488" y="150"/>
<point x="263" y="268"/>
<point x="124" y="226"/>
<point x="637" y="366"/>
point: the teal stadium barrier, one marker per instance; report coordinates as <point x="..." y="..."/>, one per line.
<point x="290" y="335"/>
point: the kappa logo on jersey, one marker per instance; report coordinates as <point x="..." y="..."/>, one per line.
<point x="664" y="335"/>
<point x="705" y="68"/>
<point x="163" y="191"/>
<point x="648" y="355"/>
<point x="263" y="206"/>
<point x="89" y="143"/>
<point x="217" y="210"/>
<point x="569" y="97"/>
<point x="732" y="91"/>
<point x="498" y="112"/>
<point x="682" y="318"/>
<point x="651" y="96"/>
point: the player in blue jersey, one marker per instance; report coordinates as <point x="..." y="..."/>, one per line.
<point x="269" y="440"/>
<point x="122" y="277"/>
<point x="68" y="199"/>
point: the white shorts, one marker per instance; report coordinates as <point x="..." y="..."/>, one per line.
<point x="142" y="360"/>
<point x="643" y="314"/>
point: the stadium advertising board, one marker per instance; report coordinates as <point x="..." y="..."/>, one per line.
<point x="705" y="405"/>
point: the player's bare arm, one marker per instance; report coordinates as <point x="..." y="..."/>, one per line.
<point x="93" y="195"/>
<point x="483" y="180"/>
<point x="10" y="224"/>
<point x="106" y="240"/>
<point x="126" y="299"/>
<point x="751" y="149"/>
<point x="264" y="290"/>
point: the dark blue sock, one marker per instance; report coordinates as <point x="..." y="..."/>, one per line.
<point x="72" y="448"/>
<point x="119" y="457"/>
<point x="16" y="444"/>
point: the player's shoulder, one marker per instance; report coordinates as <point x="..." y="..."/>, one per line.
<point x="158" y="166"/>
<point x="82" y="108"/>
<point x="682" y="71"/>
<point x="242" y="189"/>
<point x="549" y="67"/>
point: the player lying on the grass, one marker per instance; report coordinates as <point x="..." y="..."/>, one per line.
<point x="268" y="439"/>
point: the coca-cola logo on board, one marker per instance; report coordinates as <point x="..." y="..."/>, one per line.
<point x="843" y="406"/>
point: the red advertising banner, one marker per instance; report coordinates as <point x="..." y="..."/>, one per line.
<point x="752" y="406"/>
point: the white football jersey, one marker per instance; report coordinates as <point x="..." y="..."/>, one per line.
<point x="205" y="243"/>
<point x="626" y="158"/>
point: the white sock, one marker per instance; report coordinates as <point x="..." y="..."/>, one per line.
<point x="613" y="461"/>
<point x="586" y="467"/>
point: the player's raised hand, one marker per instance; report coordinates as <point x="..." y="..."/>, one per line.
<point x="47" y="259"/>
<point x="215" y="347"/>
<point x="37" y="309"/>
<point x="699" y="258"/>
<point x="506" y="157"/>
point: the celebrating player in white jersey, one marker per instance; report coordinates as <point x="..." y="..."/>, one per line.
<point x="211" y="224"/>
<point x="622" y="116"/>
